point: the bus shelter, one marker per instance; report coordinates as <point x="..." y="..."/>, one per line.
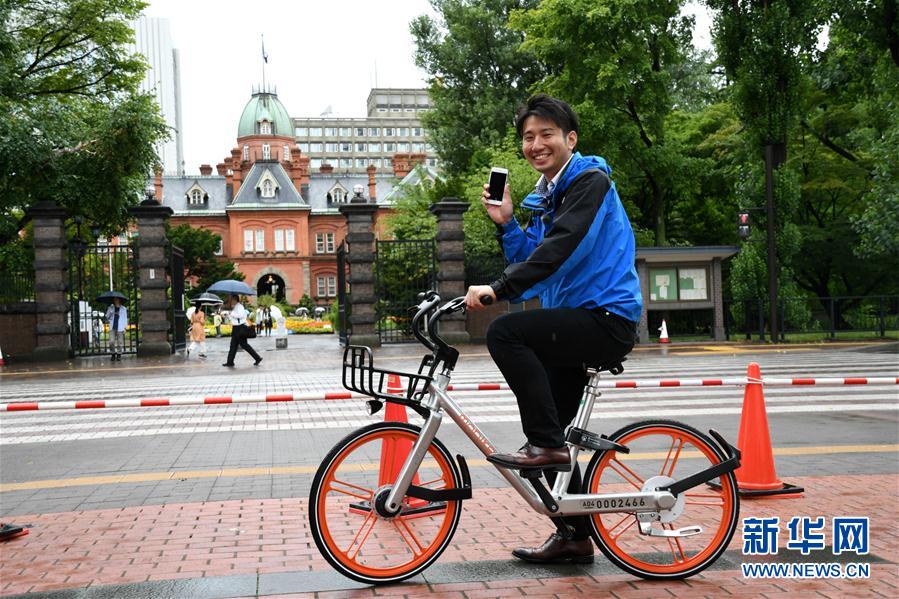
<point x="686" y="279"/>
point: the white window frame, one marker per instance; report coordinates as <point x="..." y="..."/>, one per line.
<point x="246" y="152"/>
<point x="279" y="240"/>
<point x="266" y="152"/>
<point x="290" y="240"/>
<point x="286" y="153"/>
<point x="248" y="240"/>
<point x="329" y="243"/>
<point x="268" y="189"/>
<point x="319" y="243"/>
<point x="265" y="128"/>
<point x="196" y="196"/>
<point x="332" y="286"/>
<point x="260" y="240"/>
<point x="320" y="284"/>
<point x="220" y="250"/>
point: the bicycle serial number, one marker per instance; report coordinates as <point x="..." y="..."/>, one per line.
<point x="604" y="504"/>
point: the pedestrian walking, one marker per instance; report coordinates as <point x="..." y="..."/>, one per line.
<point x="217" y="322"/>
<point x="117" y="317"/>
<point x="268" y="322"/>
<point x="258" y="320"/>
<point x="240" y="332"/>
<point x="198" y="331"/>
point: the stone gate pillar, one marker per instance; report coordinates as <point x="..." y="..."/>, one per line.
<point x="50" y="281"/>
<point x="451" y="265"/>
<point x="152" y="264"/>
<point x="360" y="238"/>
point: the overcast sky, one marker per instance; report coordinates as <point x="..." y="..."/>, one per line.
<point x="320" y="55"/>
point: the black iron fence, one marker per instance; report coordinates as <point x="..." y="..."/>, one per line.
<point x="94" y="269"/>
<point x="402" y="270"/>
<point x="483" y="269"/>
<point x="814" y="317"/>
<point x="177" y="314"/>
<point x="343" y="306"/>
<point x="16" y="287"/>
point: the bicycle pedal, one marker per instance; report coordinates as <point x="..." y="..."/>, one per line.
<point x="587" y="440"/>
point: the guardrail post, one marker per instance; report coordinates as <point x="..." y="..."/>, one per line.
<point x="152" y="265"/>
<point x="833" y="320"/>
<point x="360" y="239"/>
<point x="761" y="308"/>
<point x="451" y="264"/>
<point x="883" y="324"/>
<point x="50" y="281"/>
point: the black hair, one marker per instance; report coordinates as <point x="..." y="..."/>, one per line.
<point x="549" y="108"/>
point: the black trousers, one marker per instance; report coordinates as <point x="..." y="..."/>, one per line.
<point x="543" y="355"/>
<point x="239" y="338"/>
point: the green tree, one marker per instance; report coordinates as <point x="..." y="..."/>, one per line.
<point x="74" y="128"/>
<point x="616" y="62"/>
<point x="478" y="73"/>
<point x="764" y="47"/>
<point x="199" y="247"/>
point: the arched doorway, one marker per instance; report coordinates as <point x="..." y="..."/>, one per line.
<point x="271" y="284"/>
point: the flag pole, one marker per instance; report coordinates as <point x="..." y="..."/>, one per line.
<point x="264" y="60"/>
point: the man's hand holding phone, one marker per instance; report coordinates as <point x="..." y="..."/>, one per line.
<point x="496" y="198"/>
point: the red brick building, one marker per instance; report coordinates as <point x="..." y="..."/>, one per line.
<point x="279" y="223"/>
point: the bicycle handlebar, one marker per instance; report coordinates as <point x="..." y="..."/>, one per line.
<point x="430" y="301"/>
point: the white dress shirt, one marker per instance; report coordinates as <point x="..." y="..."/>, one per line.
<point x="238" y="314"/>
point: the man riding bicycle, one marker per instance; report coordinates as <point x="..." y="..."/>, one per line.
<point x="577" y="254"/>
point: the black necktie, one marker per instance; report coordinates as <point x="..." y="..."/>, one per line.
<point x="115" y="320"/>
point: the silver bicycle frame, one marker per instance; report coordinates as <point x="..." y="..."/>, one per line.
<point x="439" y="401"/>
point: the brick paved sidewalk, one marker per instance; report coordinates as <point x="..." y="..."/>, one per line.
<point x="262" y="538"/>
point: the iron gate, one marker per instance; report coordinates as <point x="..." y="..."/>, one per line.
<point x="94" y="269"/>
<point x="177" y="314"/>
<point x="343" y="306"/>
<point x="402" y="270"/>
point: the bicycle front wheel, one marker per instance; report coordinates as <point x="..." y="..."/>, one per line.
<point x="347" y="527"/>
<point x="663" y="451"/>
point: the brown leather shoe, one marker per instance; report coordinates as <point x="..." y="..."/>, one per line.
<point x="557" y="550"/>
<point x="531" y="457"/>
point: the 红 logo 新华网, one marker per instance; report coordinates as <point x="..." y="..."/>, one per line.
<point x="806" y="535"/>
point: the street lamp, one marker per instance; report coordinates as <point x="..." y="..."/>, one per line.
<point x="357" y="194"/>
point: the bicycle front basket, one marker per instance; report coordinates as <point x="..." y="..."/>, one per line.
<point x="360" y="375"/>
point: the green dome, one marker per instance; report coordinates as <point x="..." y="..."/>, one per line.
<point x="264" y="106"/>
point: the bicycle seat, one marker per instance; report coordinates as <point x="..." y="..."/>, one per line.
<point x="614" y="367"/>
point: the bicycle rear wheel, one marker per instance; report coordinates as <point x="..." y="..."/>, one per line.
<point x="346" y="526"/>
<point x="663" y="449"/>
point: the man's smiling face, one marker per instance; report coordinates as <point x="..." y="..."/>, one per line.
<point x="545" y="146"/>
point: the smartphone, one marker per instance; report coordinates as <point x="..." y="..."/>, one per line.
<point x="497" y="186"/>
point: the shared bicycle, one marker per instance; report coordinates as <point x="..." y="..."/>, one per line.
<point x="661" y="496"/>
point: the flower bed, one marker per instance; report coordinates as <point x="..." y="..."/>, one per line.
<point x="298" y="326"/>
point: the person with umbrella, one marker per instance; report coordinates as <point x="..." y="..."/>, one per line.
<point x="117" y="317"/>
<point x="239" y="330"/>
<point x="198" y="331"/>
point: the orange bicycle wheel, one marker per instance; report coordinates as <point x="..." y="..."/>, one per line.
<point x="347" y="527"/>
<point x="663" y="451"/>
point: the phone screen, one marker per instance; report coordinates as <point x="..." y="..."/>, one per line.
<point x="497" y="185"/>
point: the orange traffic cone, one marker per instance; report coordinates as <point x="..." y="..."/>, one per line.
<point x="394" y="451"/>
<point x="756" y="477"/>
<point x="663" y="338"/>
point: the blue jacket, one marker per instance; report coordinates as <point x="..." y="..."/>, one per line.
<point x="578" y="250"/>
